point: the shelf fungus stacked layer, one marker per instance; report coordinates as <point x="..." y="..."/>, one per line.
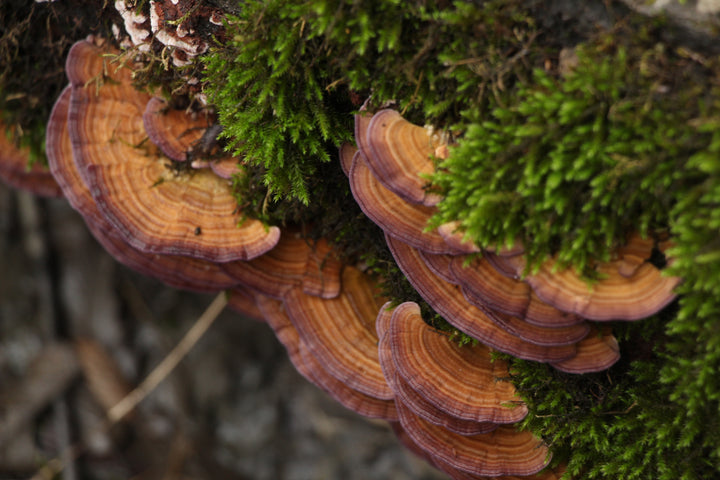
<point x="549" y="316"/>
<point x="134" y="168"/>
<point x="454" y="408"/>
<point x="177" y="224"/>
<point x="18" y="171"/>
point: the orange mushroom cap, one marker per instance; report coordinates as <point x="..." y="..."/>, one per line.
<point x="546" y="474"/>
<point x="614" y="296"/>
<point x="153" y="208"/>
<point x="504" y="451"/>
<point x="483" y="285"/>
<point x="597" y="352"/>
<point x="340" y="332"/>
<point x="178" y="271"/>
<point x="292" y="262"/>
<point x="173" y="131"/>
<point x="310" y="368"/>
<point x="403" y="220"/>
<point x="462" y="381"/>
<point x="399" y="154"/>
<point x="16" y="172"/>
<point x="347" y="153"/>
<point x="405" y="394"/>
<point x="448" y="301"/>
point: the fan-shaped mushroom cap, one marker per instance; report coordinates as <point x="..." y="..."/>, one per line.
<point x="14" y="169"/>
<point x="463" y="381"/>
<point x="173" y="131"/>
<point x="597" y="352"/>
<point x="315" y="372"/>
<point x="448" y="301"/>
<point x="178" y="271"/>
<point x="405" y="394"/>
<point x="292" y="262"/>
<point x="615" y="296"/>
<point x="397" y="217"/>
<point x="546" y="474"/>
<point x="504" y="451"/>
<point x="454" y="237"/>
<point x="274" y="313"/>
<point x="244" y="303"/>
<point x="340" y="332"/>
<point x="399" y="154"/>
<point x="226" y="167"/>
<point x="483" y="285"/>
<point x="439" y="264"/>
<point x="632" y="255"/>
<point x="347" y="152"/>
<point x="153" y="208"/>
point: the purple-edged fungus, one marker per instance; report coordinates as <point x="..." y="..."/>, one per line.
<point x="173" y="131"/>
<point x="484" y="286"/>
<point x="447" y="300"/>
<point x="244" y="303"/>
<point x="504" y="451"/>
<point x="597" y="352"/>
<point x="397" y="217"/>
<point x="153" y="207"/>
<point x="314" y="371"/>
<point x="400" y="156"/>
<point x="463" y="381"/>
<point x="439" y="264"/>
<point x="546" y="474"/>
<point x="455" y="238"/>
<point x="293" y="262"/>
<point x="178" y="271"/>
<point x="405" y="394"/>
<point x="16" y="172"/>
<point x="453" y="235"/>
<point x="340" y="332"/>
<point x="625" y="289"/>
<point x="346" y="153"/>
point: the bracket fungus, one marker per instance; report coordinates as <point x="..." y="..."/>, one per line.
<point x="627" y="288"/>
<point x="447" y="300"/>
<point x="400" y="155"/>
<point x="292" y="262"/>
<point x="178" y="271"/>
<point x="482" y="284"/>
<point x="340" y="332"/>
<point x="314" y="370"/>
<point x="596" y="352"/>
<point x="397" y="217"/>
<point x="153" y="207"/>
<point x="405" y="394"/>
<point x="16" y="171"/>
<point x="462" y="381"/>
<point x="174" y="131"/>
<point x="504" y="451"/>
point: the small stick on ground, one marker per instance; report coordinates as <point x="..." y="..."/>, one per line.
<point x="163" y="369"/>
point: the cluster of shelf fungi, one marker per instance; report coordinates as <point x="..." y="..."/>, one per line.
<point x="173" y="217"/>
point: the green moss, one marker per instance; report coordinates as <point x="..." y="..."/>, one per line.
<point x="571" y="165"/>
<point x="284" y="82"/>
<point x="270" y="86"/>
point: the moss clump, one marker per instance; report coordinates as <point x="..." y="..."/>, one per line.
<point x="620" y="423"/>
<point x="270" y="86"/>
<point x="571" y="165"/>
<point x="286" y="81"/>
